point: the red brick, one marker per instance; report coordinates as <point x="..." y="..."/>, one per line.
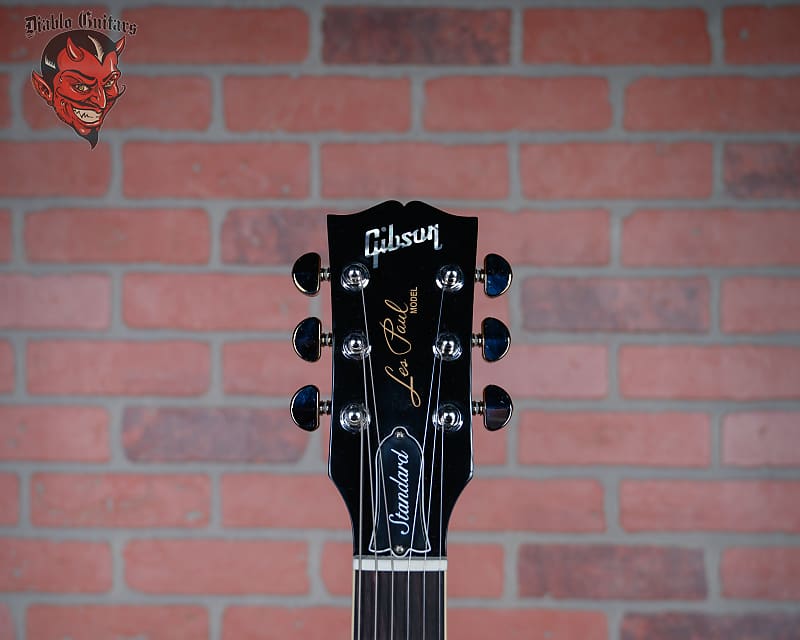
<point x="167" y="236"/>
<point x="216" y="170"/>
<point x="248" y="368"/>
<point x="489" y="447"/>
<point x="221" y="35"/>
<point x="716" y="505"/>
<point x="16" y="45"/>
<point x="760" y="305"/>
<point x="6" y="240"/>
<point x="90" y="621"/>
<point x="545" y="238"/>
<point x="549" y="371"/>
<point x="272" y="236"/>
<point x="203" y="434"/>
<point x="317" y="103"/>
<point x="607" y="572"/>
<point x="515" y="504"/>
<point x="6" y="367"/>
<point x="5" y="101"/>
<point x="75" y="301"/>
<point x="731" y="372"/>
<point x="505" y="103"/>
<point x="414" y="170"/>
<point x="54" y="434"/>
<point x="606" y="304"/>
<point x="473" y="570"/>
<point x="485" y="306"/>
<point x="118" y="368"/>
<point x="217" y="567"/>
<point x="769" y="170"/>
<point x="279" y="623"/>
<point x="68" y="566"/>
<point x="9" y="499"/>
<point x="148" y="102"/>
<point x="751" y="573"/>
<point x="755" y="439"/>
<point x="668" y="439"/>
<point x="44" y="169"/>
<point x="616" y="36"/>
<point x="713" y="103"/>
<point x="564" y="237"/>
<point x="478" y="623"/>
<point x="6" y="623"/>
<point x="681" y="625"/>
<point x="243" y="503"/>
<point x="711" y="238"/>
<point x="395" y="35"/>
<point x="585" y="170"/>
<point x="120" y="500"/>
<point x="208" y="301"/>
<point x="761" y="35"/>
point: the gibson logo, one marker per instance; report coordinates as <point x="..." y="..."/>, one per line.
<point x="383" y="240"/>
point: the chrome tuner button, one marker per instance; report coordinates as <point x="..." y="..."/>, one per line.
<point x="308" y="272"/>
<point x="308" y="339"/>
<point x="450" y="278"/>
<point x="354" y="417"/>
<point x="306" y="408"/>
<point x="355" y="277"/>
<point x="496" y="275"/>
<point x="447" y="347"/>
<point x="448" y="417"/>
<point x="496" y="407"/>
<point x="494" y="339"/>
<point x="355" y="346"/>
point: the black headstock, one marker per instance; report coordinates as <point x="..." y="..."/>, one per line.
<point x="402" y="286"/>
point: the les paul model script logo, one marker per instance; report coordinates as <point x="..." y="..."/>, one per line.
<point x="394" y="333"/>
<point x="383" y="240"/>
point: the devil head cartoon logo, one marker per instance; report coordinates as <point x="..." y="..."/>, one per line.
<point x="80" y="79"/>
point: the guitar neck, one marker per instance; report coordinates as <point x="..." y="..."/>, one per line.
<point x="399" y="604"/>
<point x="402" y="281"/>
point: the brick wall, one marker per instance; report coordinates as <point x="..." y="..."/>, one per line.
<point x="639" y="163"/>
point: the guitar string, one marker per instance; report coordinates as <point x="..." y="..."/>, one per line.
<point x="441" y="479"/>
<point x="361" y="496"/>
<point x="420" y="483"/>
<point x="381" y="476"/>
<point x="439" y="589"/>
<point x="360" y="563"/>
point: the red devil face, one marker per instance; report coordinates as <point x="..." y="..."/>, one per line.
<point x="84" y="87"/>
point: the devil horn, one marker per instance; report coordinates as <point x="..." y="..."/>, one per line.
<point x="73" y="52"/>
<point x="119" y="45"/>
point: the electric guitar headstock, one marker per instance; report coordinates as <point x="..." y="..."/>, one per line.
<point x="402" y="285"/>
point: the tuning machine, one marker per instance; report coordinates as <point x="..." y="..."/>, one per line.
<point x="306" y="407"/>
<point x="495" y="275"/>
<point x="308" y="339"/>
<point x="496" y="407"/>
<point x="308" y="272"/>
<point x="494" y="339"/>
